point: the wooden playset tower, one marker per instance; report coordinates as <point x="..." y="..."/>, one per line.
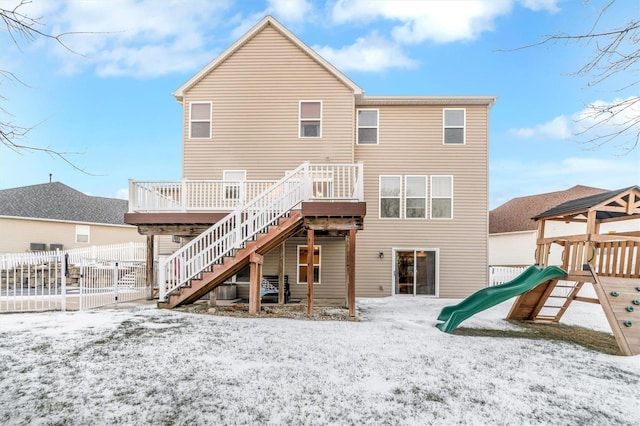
<point x="609" y="261"/>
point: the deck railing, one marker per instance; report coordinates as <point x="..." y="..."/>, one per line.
<point x="614" y="255"/>
<point x="307" y="182"/>
<point x="330" y="182"/>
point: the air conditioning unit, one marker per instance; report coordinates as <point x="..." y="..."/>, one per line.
<point x="56" y="247"/>
<point x="37" y="247"/>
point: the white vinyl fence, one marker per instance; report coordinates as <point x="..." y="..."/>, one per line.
<point x="502" y="274"/>
<point x="68" y="279"/>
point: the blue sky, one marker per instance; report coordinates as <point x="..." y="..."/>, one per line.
<point x="113" y="104"/>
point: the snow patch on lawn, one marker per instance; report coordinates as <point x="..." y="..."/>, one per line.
<point x="149" y="366"/>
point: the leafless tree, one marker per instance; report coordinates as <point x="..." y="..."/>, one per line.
<point x="615" y="54"/>
<point x="20" y="27"/>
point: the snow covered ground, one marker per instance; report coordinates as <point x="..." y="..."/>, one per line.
<point x="148" y="366"/>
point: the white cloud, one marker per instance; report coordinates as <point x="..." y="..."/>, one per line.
<point x="558" y="128"/>
<point x="129" y="37"/>
<point x="515" y="178"/>
<point x="550" y="6"/>
<point x="587" y="123"/>
<point x="441" y="21"/>
<point x="371" y="53"/>
<point x="122" y="193"/>
<point x="290" y="10"/>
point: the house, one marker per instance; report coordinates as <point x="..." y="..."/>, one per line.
<point x="380" y="195"/>
<point x="54" y="215"/>
<point x="513" y="229"/>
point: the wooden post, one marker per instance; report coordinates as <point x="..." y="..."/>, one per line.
<point x="255" y="277"/>
<point x="149" y="266"/>
<point x="590" y="248"/>
<point x="310" y="256"/>
<point x="540" y="260"/>
<point x="281" y="276"/>
<point x="351" y="272"/>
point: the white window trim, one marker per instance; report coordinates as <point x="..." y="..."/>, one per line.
<point x="432" y="197"/>
<point x="226" y="185"/>
<point x="210" y="120"/>
<point x="463" y="127"/>
<point x="377" y="126"/>
<point x="307" y="119"/>
<point x="298" y="264"/>
<point x="380" y="198"/>
<point x="426" y="204"/>
<point x="87" y="233"/>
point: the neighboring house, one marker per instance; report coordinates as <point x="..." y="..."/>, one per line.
<point x="269" y="103"/>
<point x="513" y="231"/>
<point x="53" y="215"/>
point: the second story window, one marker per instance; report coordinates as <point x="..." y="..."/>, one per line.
<point x="200" y="120"/>
<point x="442" y="197"/>
<point x="415" y="197"/>
<point x="310" y="119"/>
<point x="367" y="127"/>
<point x="454" y="120"/>
<point x="390" y="196"/>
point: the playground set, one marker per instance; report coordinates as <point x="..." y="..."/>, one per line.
<point x="609" y="262"/>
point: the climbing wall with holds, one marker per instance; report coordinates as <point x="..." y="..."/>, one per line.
<point x="620" y="300"/>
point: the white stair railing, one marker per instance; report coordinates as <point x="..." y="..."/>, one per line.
<point x="234" y="230"/>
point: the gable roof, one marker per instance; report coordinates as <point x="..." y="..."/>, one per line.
<point x="516" y="215"/>
<point x="266" y="21"/>
<point x="57" y="201"/>
<point x="605" y="204"/>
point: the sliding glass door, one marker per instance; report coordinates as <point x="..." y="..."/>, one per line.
<point x="415" y="272"/>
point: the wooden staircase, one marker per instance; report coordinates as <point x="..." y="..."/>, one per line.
<point x="208" y="280"/>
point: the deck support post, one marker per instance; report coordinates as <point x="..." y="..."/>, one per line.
<point x="149" y="267"/>
<point x="281" y="276"/>
<point x="350" y="250"/>
<point x="310" y="257"/>
<point x="255" y="277"/>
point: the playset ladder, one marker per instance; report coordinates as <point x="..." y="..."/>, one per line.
<point x="563" y="292"/>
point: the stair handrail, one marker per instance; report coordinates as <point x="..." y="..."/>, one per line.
<point x="223" y="237"/>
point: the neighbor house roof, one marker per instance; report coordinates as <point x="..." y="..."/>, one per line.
<point x="266" y="21"/>
<point x="517" y="214"/>
<point x="599" y="201"/>
<point x="57" y="201"/>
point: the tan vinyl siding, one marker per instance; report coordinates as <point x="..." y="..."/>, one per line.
<point x="332" y="272"/>
<point x="17" y="234"/>
<point x="165" y="245"/>
<point x="411" y="144"/>
<point x="255" y="95"/>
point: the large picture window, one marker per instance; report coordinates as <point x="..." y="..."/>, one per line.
<point x="367" y="126"/>
<point x="303" y="253"/>
<point x="441" y="197"/>
<point x="454" y="122"/>
<point x="200" y="120"/>
<point x="415" y="197"/>
<point x="390" y="190"/>
<point x="310" y="119"/>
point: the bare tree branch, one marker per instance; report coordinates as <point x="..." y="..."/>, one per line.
<point x="21" y="27"/>
<point x="615" y="54"/>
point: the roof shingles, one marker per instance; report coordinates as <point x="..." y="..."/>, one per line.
<point x="57" y="201"/>
<point x="516" y="215"/>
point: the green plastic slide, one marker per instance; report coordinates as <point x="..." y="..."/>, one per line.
<point x="483" y="299"/>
